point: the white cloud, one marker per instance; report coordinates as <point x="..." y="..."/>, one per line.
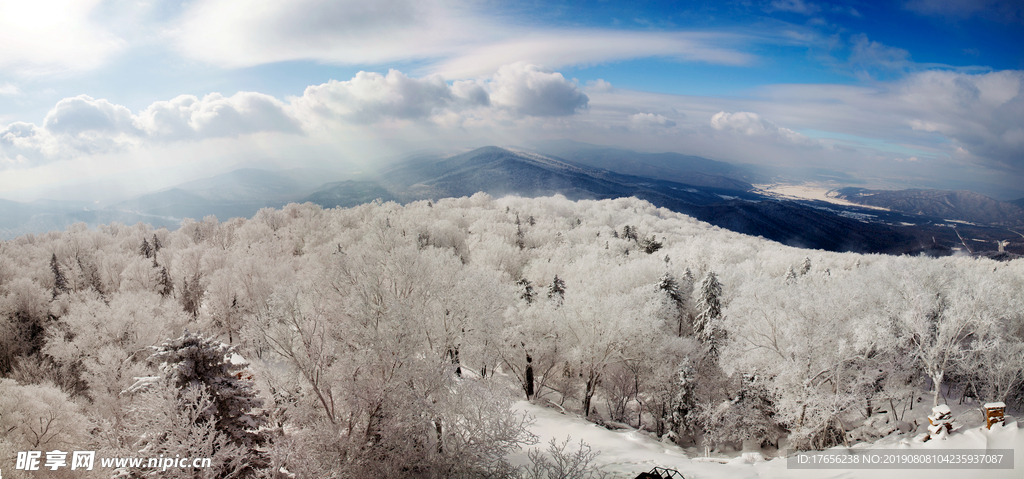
<point x="983" y="113"/>
<point x="369" y="97"/>
<point x="588" y="47"/>
<point x="751" y="124"/>
<point x="533" y="91"/>
<point x="519" y="90"/>
<point x="455" y="39"/>
<point x="46" y="37"/>
<point x="215" y="116"/>
<point x="651" y="119"/>
<point x="8" y="89"/>
<point x="868" y="55"/>
<point x="82" y="125"/>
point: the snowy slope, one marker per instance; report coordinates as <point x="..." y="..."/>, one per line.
<point x="626" y="453"/>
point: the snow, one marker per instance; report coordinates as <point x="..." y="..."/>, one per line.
<point x="626" y="453"/>
<point x="808" y="191"/>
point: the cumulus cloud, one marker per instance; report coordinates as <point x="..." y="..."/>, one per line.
<point x="651" y="119"/>
<point x="369" y="97"/>
<point x="46" y="37"/>
<point x="751" y="124"/>
<point x="188" y="117"/>
<point x="983" y="113"/>
<point x="518" y="90"/>
<point x="83" y="114"/>
<point x="83" y="125"/>
<point x="534" y="91"/>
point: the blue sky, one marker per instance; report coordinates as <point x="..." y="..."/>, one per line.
<point x="915" y="93"/>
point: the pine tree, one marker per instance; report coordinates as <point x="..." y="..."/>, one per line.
<point x="805" y="267"/>
<point x="146" y="249"/>
<point x="165" y="283"/>
<point x="710" y="306"/>
<point x="556" y="290"/>
<point x="683" y="400"/>
<point x="197" y="361"/>
<point x="790" y="276"/>
<point x="60" y="283"/>
<point x="526" y="291"/>
<point x="670" y="287"/>
<point x="156" y="248"/>
<point x="650" y="245"/>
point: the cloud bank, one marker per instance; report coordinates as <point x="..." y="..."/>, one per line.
<point x="82" y="125"/>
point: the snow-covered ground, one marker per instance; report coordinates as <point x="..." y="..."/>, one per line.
<point x="808" y="191"/>
<point x="626" y="453"/>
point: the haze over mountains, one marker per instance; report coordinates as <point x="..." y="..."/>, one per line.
<point x="713" y="191"/>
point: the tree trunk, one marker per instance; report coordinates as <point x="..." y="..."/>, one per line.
<point x="589" y="394"/>
<point x="529" y="377"/>
<point x="937" y="384"/>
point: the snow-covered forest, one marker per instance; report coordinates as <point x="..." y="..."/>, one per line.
<point x="391" y="341"/>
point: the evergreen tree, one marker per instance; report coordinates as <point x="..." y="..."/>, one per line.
<point x="197" y="361"/>
<point x="683" y="401"/>
<point x="629" y="232"/>
<point x="166" y="286"/>
<point x="650" y="245"/>
<point x="805" y="266"/>
<point x="146" y="249"/>
<point x="790" y="276"/>
<point x="668" y="285"/>
<point x="526" y="291"/>
<point x="709" y="306"/>
<point x="556" y="290"/>
<point x="60" y="283"/>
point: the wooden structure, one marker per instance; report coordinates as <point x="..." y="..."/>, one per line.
<point x="661" y="473"/>
<point x="994" y="413"/>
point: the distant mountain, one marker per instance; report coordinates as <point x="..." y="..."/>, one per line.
<point x="691" y="170"/>
<point x="239" y="193"/>
<point x="955" y="205"/>
<point x="1019" y="202"/>
<point x="500" y="171"/>
<point x="348" y="193"/>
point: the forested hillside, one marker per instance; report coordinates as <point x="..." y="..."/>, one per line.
<point x="390" y="341"/>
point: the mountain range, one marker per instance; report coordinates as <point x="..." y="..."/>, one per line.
<point x="957" y="205"/>
<point x="716" y="192"/>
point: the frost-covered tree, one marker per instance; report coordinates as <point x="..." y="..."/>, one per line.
<point x="526" y="292"/>
<point x="678" y="295"/>
<point x="709" y="308"/>
<point x="60" y="282"/>
<point x="196" y="361"/>
<point x="746" y="417"/>
<point x="556" y="290"/>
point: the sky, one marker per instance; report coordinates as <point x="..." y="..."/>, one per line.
<point x="145" y="93"/>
